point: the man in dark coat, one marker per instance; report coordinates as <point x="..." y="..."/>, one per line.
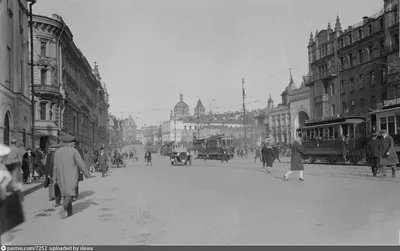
<point x="103" y="162"/>
<point x="276" y="151"/>
<point x="296" y="162"/>
<point x="268" y="156"/>
<point x="38" y="164"/>
<point x="147" y="158"/>
<point x="374" y="152"/>
<point x="388" y="154"/>
<point x="224" y="155"/>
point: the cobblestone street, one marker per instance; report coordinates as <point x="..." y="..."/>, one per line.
<point x="215" y="203"/>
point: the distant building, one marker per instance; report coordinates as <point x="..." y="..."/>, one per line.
<point x="181" y="109"/>
<point x="199" y="109"/>
<point x="299" y="108"/>
<point x="129" y="128"/>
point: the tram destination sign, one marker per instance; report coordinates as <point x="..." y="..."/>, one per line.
<point x="391" y="102"/>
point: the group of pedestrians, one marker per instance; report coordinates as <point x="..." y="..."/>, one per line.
<point x="381" y="153"/>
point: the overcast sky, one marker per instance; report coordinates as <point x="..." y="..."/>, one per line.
<point x="149" y="51"/>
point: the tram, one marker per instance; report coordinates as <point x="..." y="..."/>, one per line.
<point x="322" y="139"/>
<point x="387" y="118"/>
<point x="210" y="148"/>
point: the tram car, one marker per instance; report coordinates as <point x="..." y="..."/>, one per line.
<point x="387" y="118"/>
<point x="322" y="139"/>
<point x="210" y="148"/>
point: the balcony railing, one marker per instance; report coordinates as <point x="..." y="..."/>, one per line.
<point x="330" y="73"/>
<point x="50" y="90"/>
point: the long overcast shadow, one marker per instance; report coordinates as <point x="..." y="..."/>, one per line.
<point x="83" y="205"/>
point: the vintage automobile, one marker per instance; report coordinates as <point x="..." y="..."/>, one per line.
<point x="180" y="156"/>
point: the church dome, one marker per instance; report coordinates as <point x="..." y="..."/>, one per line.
<point x="181" y="109"/>
<point x="291" y="86"/>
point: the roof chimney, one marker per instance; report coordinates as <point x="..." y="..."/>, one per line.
<point x="365" y="19"/>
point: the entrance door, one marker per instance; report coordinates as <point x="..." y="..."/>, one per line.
<point x="6" y="132"/>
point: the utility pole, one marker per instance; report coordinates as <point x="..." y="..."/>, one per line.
<point x="32" y="76"/>
<point x="244" y="115"/>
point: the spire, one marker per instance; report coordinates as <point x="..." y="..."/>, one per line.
<point x="338" y="26"/>
<point x="181" y="97"/>
<point x="270" y="99"/>
<point x="311" y="40"/>
<point x="291" y="77"/>
<point x="329" y="25"/>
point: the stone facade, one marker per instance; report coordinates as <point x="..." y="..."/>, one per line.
<point x="15" y="114"/>
<point x="70" y="98"/>
<point x="299" y="108"/>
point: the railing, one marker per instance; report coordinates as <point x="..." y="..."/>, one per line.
<point x="331" y="72"/>
<point x="51" y="89"/>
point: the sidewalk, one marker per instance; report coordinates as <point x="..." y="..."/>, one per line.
<point x="33" y="187"/>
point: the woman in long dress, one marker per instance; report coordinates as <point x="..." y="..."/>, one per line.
<point x="296" y="163"/>
<point x="268" y="156"/>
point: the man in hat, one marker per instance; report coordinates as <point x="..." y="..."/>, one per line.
<point x="374" y="152"/>
<point x="67" y="160"/>
<point x="14" y="164"/>
<point x="48" y="172"/>
<point x="388" y="154"/>
<point x="103" y="162"/>
<point x="38" y="162"/>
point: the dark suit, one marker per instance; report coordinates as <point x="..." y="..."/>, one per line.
<point x="38" y="165"/>
<point x="374" y="153"/>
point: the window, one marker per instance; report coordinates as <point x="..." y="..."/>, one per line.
<point x="351" y="59"/>
<point x="43" y="76"/>
<point x="325" y="89"/>
<point x="373" y="102"/>
<point x="361" y="81"/>
<point x="383" y="123"/>
<point x="352" y="84"/>
<point x="372" y="74"/>
<point x="341" y="43"/>
<point x="395" y="15"/>
<point x="397" y="124"/>
<point x="22" y="71"/>
<point x="371" y="52"/>
<point x="391" y="125"/>
<point x="360" y="34"/>
<point x="370" y="29"/>
<point x="20" y="22"/>
<point x="185" y="128"/>
<point x="344" y="107"/>
<point x="332" y="89"/>
<point x="353" y="105"/>
<point x="343" y="86"/>
<point x="361" y="56"/>
<point x="342" y="62"/>
<point x="362" y="105"/>
<point x="42" y="111"/>
<point x="382" y="44"/>
<point x="43" y="47"/>
<point x="336" y="132"/>
<point x="350" y="38"/>
<point x="381" y="24"/>
<point x="51" y="112"/>
<point x="333" y="110"/>
<point x="383" y="76"/>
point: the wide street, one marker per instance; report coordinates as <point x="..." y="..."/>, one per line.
<point x="214" y="203"/>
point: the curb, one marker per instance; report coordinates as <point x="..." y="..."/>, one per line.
<point x="33" y="188"/>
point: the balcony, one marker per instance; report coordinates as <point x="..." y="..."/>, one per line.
<point x="47" y="91"/>
<point x="331" y="72"/>
<point x="46" y="61"/>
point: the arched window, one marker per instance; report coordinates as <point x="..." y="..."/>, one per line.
<point x="6" y="132"/>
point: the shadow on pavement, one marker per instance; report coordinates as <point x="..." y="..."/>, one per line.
<point x="83" y="205"/>
<point x="84" y="194"/>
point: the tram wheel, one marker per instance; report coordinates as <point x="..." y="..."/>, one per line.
<point x="332" y="160"/>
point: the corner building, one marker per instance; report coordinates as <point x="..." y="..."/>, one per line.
<point x="15" y="113"/>
<point x="69" y="96"/>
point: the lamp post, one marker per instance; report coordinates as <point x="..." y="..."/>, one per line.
<point x="32" y="2"/>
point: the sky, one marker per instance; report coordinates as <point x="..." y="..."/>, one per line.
<point x="150" y="51"/>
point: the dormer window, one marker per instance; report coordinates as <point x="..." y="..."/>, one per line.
<point x="341" y="43"/>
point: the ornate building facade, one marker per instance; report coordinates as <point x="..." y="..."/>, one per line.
<point x="15" y="113"/>
<point x="181" y="109"/>
<point x="70" y="98"/>
<point x="299" y="108"/>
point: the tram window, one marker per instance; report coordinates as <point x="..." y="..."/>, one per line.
<point x="308" y="135"/>
<point x="312" y="134"/>
<point x="336" y="132"/>
<point x="321" y="133"/>
<point x="391" y="125"/>
<point x="331" y="136"/>
<point x="383" y="123"/>
<point x="326" y="133"/>
<point x="398" y="124"/>
<point x="351" y="132"/>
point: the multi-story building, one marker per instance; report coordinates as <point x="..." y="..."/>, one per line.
<point x="15" y="113"/>
<point x="128" y="129"/>
<point x="362" y="55"/>
<point x="323" y="72"/>
<point x="114" y="132"/>
<point x="70" y="98"/>
<point x="299" y="108"/>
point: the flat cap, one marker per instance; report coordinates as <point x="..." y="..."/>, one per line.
<point x="4" y="150"/>
<point x="67" y="139"/>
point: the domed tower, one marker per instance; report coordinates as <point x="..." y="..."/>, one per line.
<point x="270" y="103"/>
<point x="285" y="94"/>
<point x="181" y="109"/>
